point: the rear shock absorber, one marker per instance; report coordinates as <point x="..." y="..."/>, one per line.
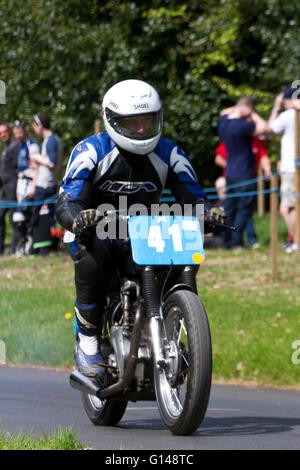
<point x="127" y="288"/>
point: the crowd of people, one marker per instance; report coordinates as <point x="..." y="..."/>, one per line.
<point x="241" y="151"/>
<point x="29" y="175"/>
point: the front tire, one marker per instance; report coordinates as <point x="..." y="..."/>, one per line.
<point x="183" y="386"/>
<point x="106" y="412"/>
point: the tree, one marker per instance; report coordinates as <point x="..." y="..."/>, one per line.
<point x="61" y="57"/>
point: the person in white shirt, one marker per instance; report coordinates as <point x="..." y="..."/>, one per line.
<point x="284" y="123"/>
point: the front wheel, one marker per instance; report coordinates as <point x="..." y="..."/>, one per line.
<point x="183" y="385"/>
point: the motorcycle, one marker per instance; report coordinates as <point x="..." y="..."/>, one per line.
<point x="155" y="337"/>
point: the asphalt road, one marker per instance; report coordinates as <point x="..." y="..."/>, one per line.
<point x="237" y="417"/>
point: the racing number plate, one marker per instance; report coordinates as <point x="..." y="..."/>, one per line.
<point x="165" y="240"/>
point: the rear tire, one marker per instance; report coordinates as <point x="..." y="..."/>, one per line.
<point x="183" y="388"/>
<point x="106" y="412"/>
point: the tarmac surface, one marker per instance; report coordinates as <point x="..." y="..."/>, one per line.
<point x="246" y="418"/>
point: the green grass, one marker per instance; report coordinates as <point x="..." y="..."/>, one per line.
<point x="60" y="439"/>
<point x="36" y="294"/>
<point x="254" y="319"/>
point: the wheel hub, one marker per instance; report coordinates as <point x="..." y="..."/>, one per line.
<point x="173" y="361"/>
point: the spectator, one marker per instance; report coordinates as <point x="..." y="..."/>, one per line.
<point x="9" y="171"/>
<point x="284" y="123"/>
<point x="261" y="158"/>
<point x="49" y="162"/>
<point x="27" y="173"/>
<point x="237" y="126"/>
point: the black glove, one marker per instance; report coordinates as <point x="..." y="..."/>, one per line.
<point x="213" y="215"/>
<point x="84" y="224"/>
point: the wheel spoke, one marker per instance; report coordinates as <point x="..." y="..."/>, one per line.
<point x="185" y="360"/>
<point x="174" y="393"/>
<point x="182" y="327"/>
<point x="179" y="334"/>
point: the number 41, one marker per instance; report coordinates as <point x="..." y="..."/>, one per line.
<point x="155" y="239"/>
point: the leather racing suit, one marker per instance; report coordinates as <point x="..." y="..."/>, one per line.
<point x="99" y="172"/>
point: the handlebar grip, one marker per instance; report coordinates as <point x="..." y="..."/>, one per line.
<point x="224" y="226"/>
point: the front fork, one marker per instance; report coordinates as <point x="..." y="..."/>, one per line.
<point x="155" y="326"/>
<point x="153" y="312"/>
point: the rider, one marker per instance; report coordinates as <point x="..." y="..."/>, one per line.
<point x="130" y="159"/>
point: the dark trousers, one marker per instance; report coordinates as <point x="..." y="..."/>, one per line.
<point x="96" y="266"/>
<point x="8" y="194"/>
<point x="239" y="210"/>
<point x="99" y="265"/>
<point x="250" y="231"/>
<point x="42" y="194"/>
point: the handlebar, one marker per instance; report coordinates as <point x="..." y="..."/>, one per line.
<point x="123" y="213"/>
<point x="224" y="226"/>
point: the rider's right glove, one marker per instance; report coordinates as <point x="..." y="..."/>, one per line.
<point x="84" y="224"/>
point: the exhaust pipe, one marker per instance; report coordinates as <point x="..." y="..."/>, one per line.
<point x="84" y="384"/>
<point x="87" y="385"/>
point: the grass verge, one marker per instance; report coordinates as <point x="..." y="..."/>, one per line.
<point x="60" y="439"/>
<point x="254" y="319"/>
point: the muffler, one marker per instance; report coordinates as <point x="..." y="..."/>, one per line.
<point x="84" y="384"/>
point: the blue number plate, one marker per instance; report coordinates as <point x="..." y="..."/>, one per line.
<point x="165" y="240"/>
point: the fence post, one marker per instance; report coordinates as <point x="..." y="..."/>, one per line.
<point x="260" y="196"/>
<point x="97" y="126"/>
<point x="2" y="353"/>
<point x="274" y="224"/>
<point x="297" y="177"/>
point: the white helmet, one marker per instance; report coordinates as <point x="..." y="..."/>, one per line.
<point x="132" y="115"/>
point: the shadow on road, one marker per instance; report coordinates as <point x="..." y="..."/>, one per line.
<point x="245" y="425"/>
<point x="225" y="426"/>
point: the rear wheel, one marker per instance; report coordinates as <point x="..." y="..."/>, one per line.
<point x="183" y="384"/>
<point x="106" y="412"/>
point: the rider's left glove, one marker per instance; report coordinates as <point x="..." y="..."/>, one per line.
<point x="84" y="224"/>
<point x="215" y="214"/>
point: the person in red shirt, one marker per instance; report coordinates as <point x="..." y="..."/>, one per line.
<point x="260" y="154"/>
<point x="261" y="158"/>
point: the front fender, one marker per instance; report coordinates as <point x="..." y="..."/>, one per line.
<point x="177" y="287"/>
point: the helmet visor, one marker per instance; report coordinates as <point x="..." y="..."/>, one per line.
<point x="137" y="126"/>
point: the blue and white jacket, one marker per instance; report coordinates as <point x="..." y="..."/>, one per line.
<point x="99" y="172"/>
<point x="30" y="146"/>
